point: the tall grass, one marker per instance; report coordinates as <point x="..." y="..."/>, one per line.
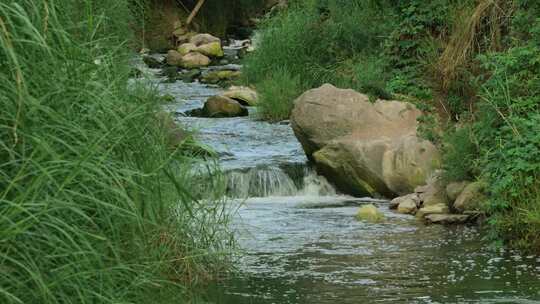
<point x="95" y="207"/>
<point x="319" y="42"/>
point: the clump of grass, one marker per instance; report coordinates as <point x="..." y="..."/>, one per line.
<point x="277" y="93"/>
<point x="94" y="205"/>
<point x="344" y="30"/>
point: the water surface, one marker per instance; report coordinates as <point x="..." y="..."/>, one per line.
<point x="300" y="242"/>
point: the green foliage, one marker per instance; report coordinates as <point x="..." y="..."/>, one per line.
<point x="507" y="128"/>
<point x="94" y="205"/>
<point x="460" y="154"/>
<point x="277" y="94"/>
<point x="321" y="42"/>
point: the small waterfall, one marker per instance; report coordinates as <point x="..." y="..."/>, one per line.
<point x="275" y="181"/>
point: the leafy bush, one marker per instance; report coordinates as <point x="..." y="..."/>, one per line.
<point x="94" y="205"/>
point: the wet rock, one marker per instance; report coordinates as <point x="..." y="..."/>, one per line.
<point x="244" y="95"/>
<point x="185" y="38"/>
<point x="370" y="213"/>
<point x="220" y="106"/>
<point x="471" y="197"/>
<point x="194" y="113"/>
<point x="170" y="72"/>
<point x="408" y="205"/>
<point x="453" y="190"/>
<point x="215" y="77"/>
<point x="185" y="48"/>
<point x="212" y="49"/>
<point x="433" y="209"/>
<point x="447" y="219"/>
<point x="201" y="39"/>
<point x="194" y="60"/>
<point x="434" y="193"/>
<point x="174" y="58"/>
<point x="152" y="62"/>
<point x="190" y="75"/>
<point x="364" y="148"/>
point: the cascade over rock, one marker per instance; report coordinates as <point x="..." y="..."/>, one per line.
<point x="364" y="148"/>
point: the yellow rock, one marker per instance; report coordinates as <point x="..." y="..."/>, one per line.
<point x="370" y="213"/>
<point x="185" y="48"/>
<point x="212" y="49"/>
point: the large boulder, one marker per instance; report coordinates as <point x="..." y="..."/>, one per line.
<point x="447" y="219"/>
<point x="220" y="106"/>
<point x="194" y="60"/>
<point x="364" y="148"/>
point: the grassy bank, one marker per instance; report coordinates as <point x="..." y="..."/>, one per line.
<point x="472" y="66"/>
<point x="95" y="205"/>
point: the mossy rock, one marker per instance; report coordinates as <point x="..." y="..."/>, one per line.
<point x="212" y="49"/>
<point x="370" y="213"/>
<point x="216" y="77"/>
<point x="186" y="48"/>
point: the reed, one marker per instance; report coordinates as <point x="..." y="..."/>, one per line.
<point x="95" y="207"/>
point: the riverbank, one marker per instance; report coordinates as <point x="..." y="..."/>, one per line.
<point x="300" y="241"/>
<point x="470" y="67"/>
<point x="98" y="202"/>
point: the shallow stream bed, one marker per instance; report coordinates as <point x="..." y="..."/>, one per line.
<point x="300" y="242"/>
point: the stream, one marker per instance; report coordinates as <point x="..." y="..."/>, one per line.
<point x="300" y="242"/>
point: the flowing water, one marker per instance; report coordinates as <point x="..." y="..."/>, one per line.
<point x="300" y="243"/>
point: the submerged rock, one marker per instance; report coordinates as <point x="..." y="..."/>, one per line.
<point x="447" y="219"/>
<point x="220" y="106"/>
<point x="433" y="209"/>
<point x="152" y="62"/>
<point x="364" y="148"/>
<point x="190" y="76"/>
<point x="370" y="213"/>
<point x="244" y="95"/>
<point x="215" y="77"/>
